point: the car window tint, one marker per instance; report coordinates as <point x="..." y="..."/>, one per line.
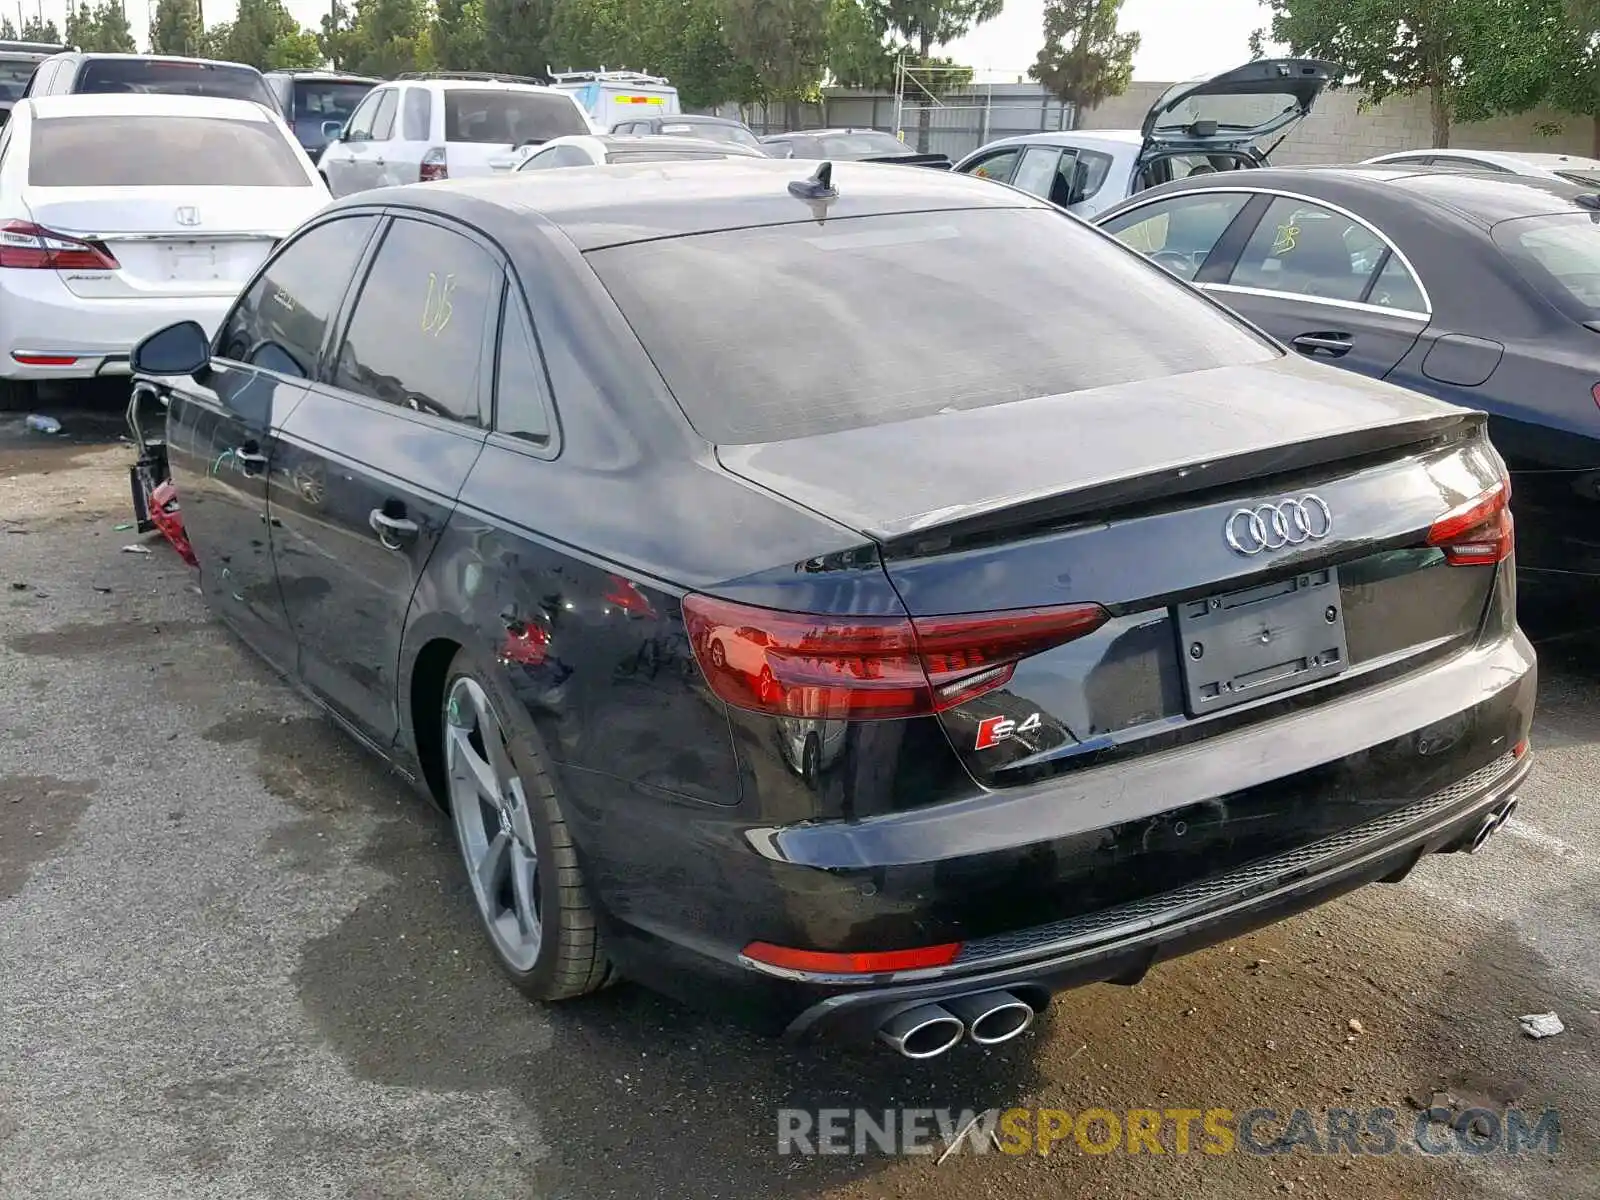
<point x="1307" y="250"/>
<point x="1560" y="255"/>
<point x="1178" y="233"/>
<point x="509" y="116"/>
<point x="1037" y="170"/>
<point x="139" y="150"/>
<point x="360" y="124"/>
<point x="996" y="166"/>
<point x="416" y="337"/>
<point x="1092" y="169"/>
<point x="417" y="115"/>
<point x="383" y="119"/>
<point x="797" y="330"/>
<point x="519" y="377"/>
<point x="280" y="322"/>
<point x="179" y="77"/>
<point x="1397" y="288"/>
<point x="557" y="156"/>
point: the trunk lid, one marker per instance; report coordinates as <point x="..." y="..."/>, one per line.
<point x="171" y="241"/>
<point x="1130" y="497"/>
<point x="1238" y="107"/>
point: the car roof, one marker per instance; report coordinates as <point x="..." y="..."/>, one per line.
<point x="1476" y="197"/>
<point x="1073" y="137"/>
<point x="605" y="206"/>
<point x="701" y="118"/>
<point x="324" y="76"/>
<point x="149" y="104"/>
<point x="478" y="85"/>
<point x="216" y="62"/>
<point x="835" y="131"/>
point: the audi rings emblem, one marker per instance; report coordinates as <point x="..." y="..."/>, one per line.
<point x="1274" y="526"/>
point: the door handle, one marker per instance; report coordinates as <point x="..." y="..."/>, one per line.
<point x="247" y="457"/>
<point x="377" y="162"/>
<point x="393" y="532"/>
<point x="1334" y="345"/>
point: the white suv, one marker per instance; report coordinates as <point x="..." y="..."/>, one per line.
<point x="443" y="125"/>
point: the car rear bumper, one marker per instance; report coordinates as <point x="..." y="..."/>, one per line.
<point x="1120" y="945"/>
<point x="80" y="336"/>
<point x="1088" y="877"/>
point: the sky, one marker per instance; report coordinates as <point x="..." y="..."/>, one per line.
<point x="1177" y="42"/>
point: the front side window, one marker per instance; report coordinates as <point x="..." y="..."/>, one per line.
<point x="383" y="119"/>
<point x="280" y="323"/>
<point x="1307" y="250"/>
<point x="999" y="166"/>
<point x="417" y="335"/>
<point x="794" y="330"/>
<point x="1178" y="233"/>
<point x="360" y="125"/>
<point x="139" y="150"/>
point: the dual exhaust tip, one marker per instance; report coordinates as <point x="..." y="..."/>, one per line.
<point x="929" y="1030"/>
<point x="1489" y="826"/>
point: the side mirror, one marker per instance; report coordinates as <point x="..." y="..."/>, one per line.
<point x="180" y="349"/>
<point x="333" y="130"/>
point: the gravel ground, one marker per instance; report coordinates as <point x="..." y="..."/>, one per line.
<point x="237" y="959"/>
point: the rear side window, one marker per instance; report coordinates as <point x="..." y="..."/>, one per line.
<point x="174" y="78"/>
<point x="151" y="151"/>
<point x="519" y="408"/>
<point x="1560" y="255"/>
<point x="509" y="117"/>
<point x="416" y="116"/>
<point x="281" y="321"/>
<point x="14" y="76"/>
<point x="1307" y="250"/>
<point x="797" y="330"/>
<point x="423" y="323"/>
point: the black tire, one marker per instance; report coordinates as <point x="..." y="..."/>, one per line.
<point x="571" y="959"/>
<point x="18" y="395"/>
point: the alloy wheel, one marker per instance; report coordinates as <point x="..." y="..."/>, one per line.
<point x="493" y="825"/>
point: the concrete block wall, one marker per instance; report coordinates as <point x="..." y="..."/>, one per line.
<point x="1339" y="131"/>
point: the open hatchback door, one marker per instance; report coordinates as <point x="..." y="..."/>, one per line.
<point x="1237" y="110"/>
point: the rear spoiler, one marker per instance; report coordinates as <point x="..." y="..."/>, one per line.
<point x="938" y="161"/>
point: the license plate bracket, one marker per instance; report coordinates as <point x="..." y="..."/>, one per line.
<point x="1242" y="645"/>
<point x="192" y="260"/>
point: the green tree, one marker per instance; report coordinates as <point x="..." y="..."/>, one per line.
<point x="102" y="29"/>
<point x="296" y="48"/>
<point x="1401" y="47"/>
<point x="379" y="37"/>
<point x="783" y="44"/>
<point x="175" y="28"/>
<point x="681" y="39"/>
<point x="517" y="34"/>
<point x="37" y="29"/>
<point x="458" y="35"/>
<point x="1534" y="52"/>
<point x="859" y="54"/>
<point x="257" y="26"/>
<point x="8" y="31"/>
<point x="1085" y="60"/>
<point x="922" y="25"/>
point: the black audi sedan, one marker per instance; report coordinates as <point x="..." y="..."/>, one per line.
<point x="1483" y="290"/>
<point x="790" y="619"/>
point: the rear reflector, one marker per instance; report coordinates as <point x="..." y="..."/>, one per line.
<point x="1477" y="533"/>
<point x="875" y="962"/>
<point x="1595" y="392"/>
<point x="44" y="360"/>
<point x="1520" y="748"/>
<point x="26" y="246"/>
<point x="868" y="668"/>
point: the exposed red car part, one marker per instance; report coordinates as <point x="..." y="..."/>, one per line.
<point x="155" y="499"/>
<point x="164" y="512"/>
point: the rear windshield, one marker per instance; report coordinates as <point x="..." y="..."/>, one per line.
<point x="14" y="76"/>
<point x="794" y="330"/>
<point x="150" y="151"/>
<point x="507" y="117"/>
<point x="1560" y="255"/>
<point x="232" y="82"/>
<point x="713" y="132"/>
<point x="316" y="101"/>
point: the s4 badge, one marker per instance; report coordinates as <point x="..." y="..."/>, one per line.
<point x="994" y="730"/>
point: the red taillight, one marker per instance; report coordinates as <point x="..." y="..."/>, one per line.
<point x="1595" y="392"/>
<point x="1477" y="533"/>
<point x="874" y="962"/>
<point x="433" y="166"/>
<point x="867" y="668"/>
<point x="27" y="246"/>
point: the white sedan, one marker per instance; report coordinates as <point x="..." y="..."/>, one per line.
<point x="122" y="214"/>
<point x="1536" y="165"/>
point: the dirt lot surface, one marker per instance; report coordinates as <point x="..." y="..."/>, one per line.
<point x="237" y="959"/>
